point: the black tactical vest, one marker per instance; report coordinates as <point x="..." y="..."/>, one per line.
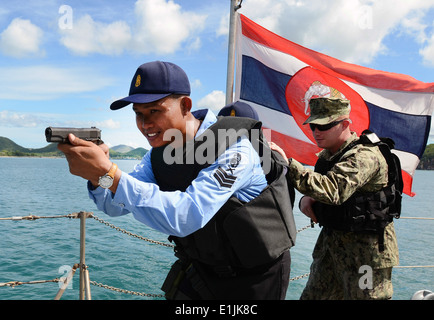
<point x="365" y="212"/>
<point x="240" y="235"/>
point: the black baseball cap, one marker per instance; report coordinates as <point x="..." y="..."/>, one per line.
<point x="154" y="81"/>
<point x="239" y="109"/>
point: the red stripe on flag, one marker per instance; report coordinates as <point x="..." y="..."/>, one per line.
<point x="306" y="151"/>
<point x="296" y="148"/>
<point x="343" y="70"/>
<point x="408" y="181"/>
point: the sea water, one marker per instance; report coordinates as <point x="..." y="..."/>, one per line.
<point x="46" y="249"/>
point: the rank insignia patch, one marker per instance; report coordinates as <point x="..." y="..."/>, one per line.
<point x="224" y="178"/>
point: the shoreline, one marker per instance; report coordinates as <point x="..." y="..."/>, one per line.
<point x="53" y="157"/>
<point x="60" y="157"/>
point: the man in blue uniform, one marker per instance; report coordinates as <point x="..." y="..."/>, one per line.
<point x="180" y="200"/>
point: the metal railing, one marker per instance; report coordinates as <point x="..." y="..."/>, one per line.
<point x="85" y="282"/>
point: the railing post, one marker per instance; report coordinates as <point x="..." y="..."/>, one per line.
<point x="84" y="277"/>
<point x="87" y="284"/>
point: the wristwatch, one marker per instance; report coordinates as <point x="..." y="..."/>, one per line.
<point x="106" y="181"/>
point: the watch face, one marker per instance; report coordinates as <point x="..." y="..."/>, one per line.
<point x="105" y="181"/>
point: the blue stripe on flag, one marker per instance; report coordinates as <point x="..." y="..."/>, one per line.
<point x="263" y="85"/>
<point x="410" y="132"/>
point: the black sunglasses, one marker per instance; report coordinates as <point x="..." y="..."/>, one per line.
<point x="324" y="127"/>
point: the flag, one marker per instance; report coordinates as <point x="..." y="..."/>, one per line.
<point x="278" y="77"/>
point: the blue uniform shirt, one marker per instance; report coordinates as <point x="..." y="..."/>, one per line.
<point x="182" y="213"/>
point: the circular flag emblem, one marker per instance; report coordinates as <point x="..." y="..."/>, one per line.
<point x="310" y="83"/>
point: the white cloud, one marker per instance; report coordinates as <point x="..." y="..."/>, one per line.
<point x="423" y="33"/>
<point x="21" y="39"/>
<point x="214" y="101"/>
<point x="413" y="25"/>
<point x="109" y="124"/>
<point x="160" y="27"/>
<point x="196" y="84"/>
<point x="48" y="82"/>
<point x="352" y="31"/>
<point x="427" y="52"/>
<point x="105" y="124"/>
<point x="88" y="36"/>
<point x="223" y="28"/>
<point x="14" y="119"/>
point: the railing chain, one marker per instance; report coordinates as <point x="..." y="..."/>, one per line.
<point x="130" y="233"/>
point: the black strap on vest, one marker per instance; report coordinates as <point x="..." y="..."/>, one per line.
<point x="365" y="212"/>
<point x="240" y="236"/>
<point x="184" y="168"/>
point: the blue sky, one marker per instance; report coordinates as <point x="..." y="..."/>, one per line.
<point x="63" y="62"/>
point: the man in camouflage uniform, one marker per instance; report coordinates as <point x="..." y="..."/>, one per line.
<point x="346" y="265"/>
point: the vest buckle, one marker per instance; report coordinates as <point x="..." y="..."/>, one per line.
<point x="224" y="271"/>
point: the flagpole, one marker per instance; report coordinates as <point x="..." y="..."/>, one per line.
<point x="235" y="5"/>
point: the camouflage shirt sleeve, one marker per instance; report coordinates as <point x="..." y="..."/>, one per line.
<point x="362" y="168"/>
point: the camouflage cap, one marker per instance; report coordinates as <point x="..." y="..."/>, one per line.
<point x="326" y="110"/>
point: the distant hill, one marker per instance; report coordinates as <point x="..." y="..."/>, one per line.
<point x="8" y="145"/>
<point x="133" y="154"/>
<point x="11" y="149"/>
<point x="427" y="160"/>
<point x="122" y="148"/>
